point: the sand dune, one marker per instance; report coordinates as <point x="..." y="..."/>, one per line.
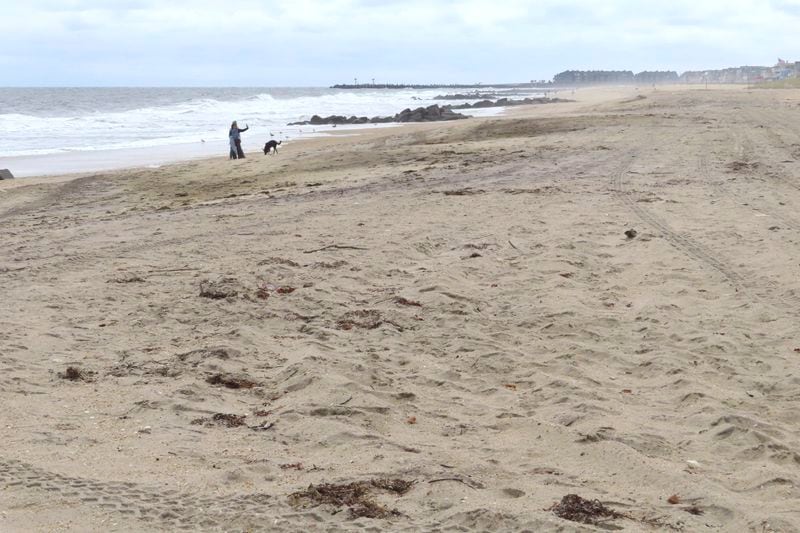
<point x="454" y="305"/>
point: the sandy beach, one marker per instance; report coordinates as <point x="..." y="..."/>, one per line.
<point x="456" y="306"/>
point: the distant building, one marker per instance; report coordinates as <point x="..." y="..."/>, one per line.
<point x="786" y="69"/>
<point x="615" y="77"/>
<point x="593" y="77"/>
<point x="745" y="74"/>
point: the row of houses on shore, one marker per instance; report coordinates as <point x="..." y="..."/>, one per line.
<point x="615" y="77"/>
<point x="746" y="74"/>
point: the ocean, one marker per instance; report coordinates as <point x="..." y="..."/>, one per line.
<point x="58" y="130"/>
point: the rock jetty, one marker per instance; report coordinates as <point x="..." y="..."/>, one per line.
<point x="467" y="96"/>
<point x="431" y="113"/>
<point x="6" y="174"/>
<point x="507" y="102"/>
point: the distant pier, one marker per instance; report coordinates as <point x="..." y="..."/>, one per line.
<point x="437" y="86"/>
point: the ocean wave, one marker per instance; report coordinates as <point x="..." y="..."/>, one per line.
<point x="196" y="118"/>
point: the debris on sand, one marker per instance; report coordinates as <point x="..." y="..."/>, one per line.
<point x="231" y="382"/>
<point x="127" y="278"/>
<point x="631" y="233"/>
<point x="742" y="166"/>
<point x="195" y="357"/>
<point x="144" y="368"/>
<point x="468" y="191"/>
<point x="363" y="318"/>
<point x="329" y="265"/>
<point x="356" y="496"/>
<point x="405" y="301"/>
<point x="73" y="373"/>
<point x="220" y="289"/>
<point x="547" y="189"/>
<point x="297" y="316"/>
<point x="278" y="261"/>
<point x="263" y="292"/>
<point x="576" y="509"/>
<point x="334" y="247"/>
<point x="395" y="485"/>
<point x="220" y="419"/>
<point x="266" y="289"/>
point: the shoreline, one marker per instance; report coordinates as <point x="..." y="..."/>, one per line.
<point x="80" y="163"/>
<point x="117" y="159"/>
<point x="173" y="126"/>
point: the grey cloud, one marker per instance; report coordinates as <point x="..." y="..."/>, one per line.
<point x="74" y="42"/>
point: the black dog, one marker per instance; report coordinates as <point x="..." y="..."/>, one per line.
<point x="271" y="145"/>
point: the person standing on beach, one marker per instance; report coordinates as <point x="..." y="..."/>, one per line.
<point x="236" y="140"/>
<point x="232" y="154"/>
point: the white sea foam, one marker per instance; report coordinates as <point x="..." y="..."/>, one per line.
<point x="50" y="131"/>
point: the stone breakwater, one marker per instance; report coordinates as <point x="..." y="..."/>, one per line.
<point x="466" y="96"/>
<point x="507" y="102"/>
<point x="432" y="113"/>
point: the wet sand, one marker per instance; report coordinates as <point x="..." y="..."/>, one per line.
<point x="456" y="305"/>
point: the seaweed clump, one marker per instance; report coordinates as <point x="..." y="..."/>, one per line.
<point x="356" y="496"/>
<point x="576" y="509"/>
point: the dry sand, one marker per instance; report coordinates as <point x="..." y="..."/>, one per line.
<point x="549" y="353"/>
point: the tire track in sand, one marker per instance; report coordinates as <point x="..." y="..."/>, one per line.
<point x="768" y="120"/>
<point x="691" y="248"/>
<point x="167" y="508"/>
<point x="696" y="250"/>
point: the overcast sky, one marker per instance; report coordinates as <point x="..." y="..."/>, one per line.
<point x="320" y="42"/>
